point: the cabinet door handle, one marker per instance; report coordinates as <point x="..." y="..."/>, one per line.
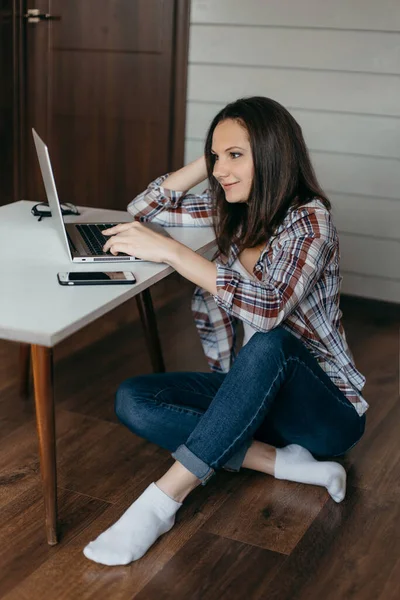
<point x="34" y="16"/>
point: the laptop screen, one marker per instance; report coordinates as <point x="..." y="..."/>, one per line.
<point x="50" y="187"/>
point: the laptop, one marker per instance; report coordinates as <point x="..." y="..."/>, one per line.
<point x="84" y="241"/>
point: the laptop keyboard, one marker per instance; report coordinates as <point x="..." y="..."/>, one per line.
<point x="93" y="237"/>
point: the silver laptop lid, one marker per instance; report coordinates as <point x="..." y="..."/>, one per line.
<point x="50" y="186"/>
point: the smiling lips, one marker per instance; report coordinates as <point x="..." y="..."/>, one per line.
<point x="229" y="185"/>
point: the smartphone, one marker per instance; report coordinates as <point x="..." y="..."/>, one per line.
<point x="96" y="278"/>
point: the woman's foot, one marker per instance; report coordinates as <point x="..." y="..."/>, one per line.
<point x="151" y="515"/>
<point x="296" y="463"/>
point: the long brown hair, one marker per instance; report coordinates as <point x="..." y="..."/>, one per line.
<point x="283" y="174"/>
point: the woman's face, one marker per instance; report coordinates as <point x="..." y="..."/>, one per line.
<point x="233" y="166"/>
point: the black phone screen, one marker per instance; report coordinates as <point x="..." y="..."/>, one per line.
<point x="91" y="276"/>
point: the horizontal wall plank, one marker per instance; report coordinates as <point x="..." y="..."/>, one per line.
<point x="358" y="134"/>
<point x="199" y="188"/>
<point x="341" y="173"/>
<point x="341" y="14"/>
<point x="369" y="256"/>
<point x="344" y="92"/>
<point x="328" y="131"/>
<point x="366" y="51"/>
<point x="358" y="174"/>
<point x="377" y="217"/>
<point x="371" y="287"/>
<point x="193" y="149"/>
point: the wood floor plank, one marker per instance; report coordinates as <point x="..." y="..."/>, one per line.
<point x="14" y="410"/>
<point x="391" y="590"/>
<point x="19" y="462"/>
<point x="268" y="513"/>
<point x="81" y="441"/>
<point x="69" y="575"/>
<point x="375" y="463"/>
<point x="23" y="545"/>
<point x="9" y="354"/>
<point x="378" y="352"/>
<point x="81" y="386"/>
<point x="238" y="523"/>
<point x="349" y="552"/>
<point x="372" y="331"/>
<point x="209" y="566"/>
<point x="102" y="459"/>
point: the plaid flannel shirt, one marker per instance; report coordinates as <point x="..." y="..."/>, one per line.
<point x="297" y="285"/>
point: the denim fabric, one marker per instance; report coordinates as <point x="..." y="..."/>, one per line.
<point x="275" y="392"/>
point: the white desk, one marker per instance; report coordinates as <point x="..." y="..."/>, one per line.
<point x="36" y="310"/>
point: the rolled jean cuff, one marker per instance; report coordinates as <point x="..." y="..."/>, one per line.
<point x="236" y="461"/>
<point x="193" y="463"/>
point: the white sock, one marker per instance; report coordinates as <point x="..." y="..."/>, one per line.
<point x="296" y="463"/>
<point x="151" y="515"/>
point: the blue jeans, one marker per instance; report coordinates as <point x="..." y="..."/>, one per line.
<point x="275" y="392"/>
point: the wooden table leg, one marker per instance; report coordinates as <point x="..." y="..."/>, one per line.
<point x="42" y="361"/>
<point x="24" y="369"/>
<point x="148" y="318"/>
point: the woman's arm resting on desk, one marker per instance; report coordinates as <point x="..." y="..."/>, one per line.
<point x="137" y="240"/>
<point x="192" y="266"/>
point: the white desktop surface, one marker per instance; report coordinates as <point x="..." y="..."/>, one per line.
<point x="34" y="308"/>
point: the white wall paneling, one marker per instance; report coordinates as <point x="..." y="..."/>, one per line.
<point x="336" y="66"/>
<point x="374" y="217"/>
<point x="323" y="130"/>
<point x="362" y="255"/>
<point x="339" y="14"/>
<point x="370" y="287"/>
<point x="358" y="174"/>
<point x="362" y="93"/>
<point x="366" y="51"/>
<point x="344" y="174"/>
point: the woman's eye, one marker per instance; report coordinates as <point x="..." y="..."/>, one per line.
<point x="231" y="154"/>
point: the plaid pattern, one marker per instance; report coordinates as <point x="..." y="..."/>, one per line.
<point x="297" y="287"/>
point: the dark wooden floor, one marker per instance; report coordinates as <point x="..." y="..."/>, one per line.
<point x="242" y="535"/>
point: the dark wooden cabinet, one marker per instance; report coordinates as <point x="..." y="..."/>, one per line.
<point x="9" y="98"/>
<point x="104" y="84"/>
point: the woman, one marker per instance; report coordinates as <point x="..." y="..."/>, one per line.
<point x="292" y="392"/>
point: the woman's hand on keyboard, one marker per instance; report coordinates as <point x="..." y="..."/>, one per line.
<point x="137" y="240"/>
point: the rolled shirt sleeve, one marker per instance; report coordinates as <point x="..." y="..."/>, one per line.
<point x="172" y="208"/>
